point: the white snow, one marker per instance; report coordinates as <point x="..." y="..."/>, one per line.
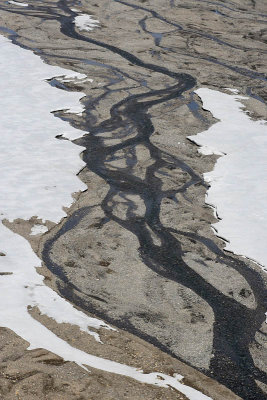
<point x="38" y="171"/>
<point x="239" y="180"/>
<point x="25" y="288"/>
<point x="75" y="110"/>
<point x="38" y="229"/>
<point x="235" y="91"/>
<point x="85" y="22"/>
<point x="72" y="76"/>
<point x="72" y="135"/>
<point x="16" y="3"/>
<point x="38" y="174"/>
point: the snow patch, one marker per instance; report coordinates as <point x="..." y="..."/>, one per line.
<point x="38" y="172"/>
<point x="16" y="3"/>
<point x="75" y="110"/>
<point x="38" y="175"/>
<point x="73" y="76"/>
<point x="85" y="22"/>
<point x="72" y="135"/>
<point x="38" y="229"/>
<point x="239" y="180"/>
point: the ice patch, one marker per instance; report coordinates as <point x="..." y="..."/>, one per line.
<point x="235" y="91"/>
<point x="18" y="4"/>
<point x="75" y="110"/>
<point x="239" y="180"/>
<point x="207" y="151"/>
<point x="73" y="76"/>
<point x="85" y="22"/>
<point x="72" y="135"/>
<point x="38" y="229"/>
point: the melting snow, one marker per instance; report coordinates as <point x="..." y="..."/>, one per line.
<point x="74" y="75"/>
<point x="85" y="22"/>
<point x="38" y="229"/>
<point x="18" y="4"/>
<point x="239" y="180"/>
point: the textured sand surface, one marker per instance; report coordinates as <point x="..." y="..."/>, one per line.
<point x="136" y="249"/>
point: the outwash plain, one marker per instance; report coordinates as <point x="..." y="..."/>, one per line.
<point x="136" y="248"/>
